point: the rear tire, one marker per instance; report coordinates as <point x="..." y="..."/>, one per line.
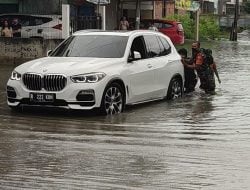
<point x="113" y="99"/>
<point x="175" y="89"/>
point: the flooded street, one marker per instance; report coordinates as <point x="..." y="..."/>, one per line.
<point x="198" y="142"/>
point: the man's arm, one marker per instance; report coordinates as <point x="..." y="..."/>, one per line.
<point x="184" y="62"/>
<point x="216" y="72"/>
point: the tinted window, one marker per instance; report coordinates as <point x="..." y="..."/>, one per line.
<point x="162" y="25"/>
<point x="163" y="52"/>
<point x="167" y="47"/>
<point x="166" y="25"/>
<point x="139" y="46"/>
<point x="101" y="46"/>
<point x="158" y="25"/>
<point x="152" y="45"/>
<point x="24" y="20"/>
<point x="42" y="20"/>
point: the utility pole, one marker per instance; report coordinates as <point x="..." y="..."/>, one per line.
<point x="138" y="14"/>
<point x="233" y="35"/>
<point x="197" y="22"/>
<point x="164" y="8"/>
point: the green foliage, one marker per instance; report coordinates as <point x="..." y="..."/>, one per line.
<point x="247" y="7"/>
<point x="209" y="28"/>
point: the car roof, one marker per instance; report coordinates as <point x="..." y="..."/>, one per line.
<point x="114" y="32"/>
<point x="162" y="20"/>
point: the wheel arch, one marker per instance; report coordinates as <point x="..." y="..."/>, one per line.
<point x="179" y="77"/>
<point x="121" y="83"/>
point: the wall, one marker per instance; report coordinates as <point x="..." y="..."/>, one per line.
<point x="111" y="15"/>
<point x="8" y="6"/>
<point x="226" y="21"/>
<point x="45" y="7"/>
<point x="19" y="50"/>
<point x="158" y="9"/>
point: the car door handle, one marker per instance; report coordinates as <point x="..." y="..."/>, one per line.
<point x="149" y="66"/>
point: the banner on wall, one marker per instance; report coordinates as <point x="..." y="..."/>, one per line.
<point x="188" y="5"/>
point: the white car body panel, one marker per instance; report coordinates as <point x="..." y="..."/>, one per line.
<point x="43" y="30"/>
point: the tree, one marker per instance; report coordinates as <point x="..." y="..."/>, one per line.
<point x="247" y="7"/>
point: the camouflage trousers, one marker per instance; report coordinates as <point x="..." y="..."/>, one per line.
<point x="207" y="80"/>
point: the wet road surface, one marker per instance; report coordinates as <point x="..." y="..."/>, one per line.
<point x="197" y="142"/>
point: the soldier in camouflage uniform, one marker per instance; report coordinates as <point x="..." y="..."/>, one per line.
<point x="205" y="66"/>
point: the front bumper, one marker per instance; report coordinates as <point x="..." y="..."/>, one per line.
<point x="66" y="98"/>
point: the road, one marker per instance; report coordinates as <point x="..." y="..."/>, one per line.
<point x="197" y="142"/>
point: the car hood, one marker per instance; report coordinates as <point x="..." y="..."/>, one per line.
<point x="67" y="65"/>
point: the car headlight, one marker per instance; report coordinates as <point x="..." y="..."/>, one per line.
<point x="88" y="78"/>
<point x="15" y="76"/>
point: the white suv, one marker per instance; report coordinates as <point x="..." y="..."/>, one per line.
<point x="37" y="26"/>
<point x="98" y="69"/>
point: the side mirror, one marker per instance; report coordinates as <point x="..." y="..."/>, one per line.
<point x="49" y="53"/>
<point x="135" y="55"/>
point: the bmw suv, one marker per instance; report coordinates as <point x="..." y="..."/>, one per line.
<point x="100" y="69"/>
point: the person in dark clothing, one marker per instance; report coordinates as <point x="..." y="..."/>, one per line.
<point x="203" y="63"/>
<point x="190" y="76"/>
<point x="212" y="64"/>
<point x="16" y="28"/>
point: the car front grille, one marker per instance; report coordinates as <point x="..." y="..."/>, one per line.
<point x="32" y="81"/>
<point x="49" y="82"/>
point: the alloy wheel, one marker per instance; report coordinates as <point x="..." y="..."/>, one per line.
<point x="113" y="101"/>
<point x="176" y="89"/>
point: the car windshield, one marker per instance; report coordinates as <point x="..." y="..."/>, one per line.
<point x="100" y="46"/>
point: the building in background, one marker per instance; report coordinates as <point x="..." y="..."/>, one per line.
<point x="31" y="6"/>
<point x="227" y="7"/>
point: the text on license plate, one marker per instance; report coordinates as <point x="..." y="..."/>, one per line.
<point x="42" y="97"/>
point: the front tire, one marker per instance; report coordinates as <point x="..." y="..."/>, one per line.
<point x="175" y="89"/>
<point x="113" y="100"/>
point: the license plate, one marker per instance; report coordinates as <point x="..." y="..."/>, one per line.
<point x="42" y="97"/>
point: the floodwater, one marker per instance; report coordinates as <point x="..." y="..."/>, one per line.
<point x="197" y="142"/>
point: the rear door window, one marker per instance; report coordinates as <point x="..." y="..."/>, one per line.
<point x="161" y="24"/>
<point x="35" y="21"/>
<point x="24" y="20"/>
<point x="167" y="25"/>
<point x="42" y="20"/>
<point x="166" y="45"/>
<point x="153" y="46"/>
<point x="158" y="25"/>
<point x="162" y="48"/>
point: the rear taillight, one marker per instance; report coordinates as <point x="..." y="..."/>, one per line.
<point x="59" y="27"/>
<point x="180" y="30"/>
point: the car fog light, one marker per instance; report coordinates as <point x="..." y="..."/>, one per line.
<point x="11" y="93"/>
<point x="86" y="95"/>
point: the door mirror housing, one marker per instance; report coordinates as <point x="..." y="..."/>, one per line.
<point x="49" y="53"/>
<point x="135" y="55"/>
